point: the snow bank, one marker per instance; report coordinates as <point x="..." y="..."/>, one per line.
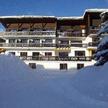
<point x="20" y="87"/>
<point x="93" y="82"/>
<point x="13" y="68"/>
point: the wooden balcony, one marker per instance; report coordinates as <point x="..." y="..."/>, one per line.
<point x="55" y="58"/>
<point x="71" y="34"/>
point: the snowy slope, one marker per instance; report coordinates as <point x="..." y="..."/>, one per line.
<point x="20" y="87"/>
<point x="93" y="82"/>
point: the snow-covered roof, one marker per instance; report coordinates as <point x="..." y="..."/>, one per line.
<point x="34" y="16"/>
<point x="59" y="18"/>
<point x="104" y="13"/>
<point x="95" y="10"/>
<point x="70" y="18"/>
<point x="81" y="17"/>
<point x="26" y="16"/>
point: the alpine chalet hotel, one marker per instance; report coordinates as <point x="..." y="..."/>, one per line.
<point x="49" y="42"/>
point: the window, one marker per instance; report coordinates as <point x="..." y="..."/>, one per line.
<point x="2" y="40"/>
<point x="76" y="41"/>
<point x="48" y="41"/>
<point x="36" y="41"/>
<point x="48" y="54"/>
<point x="95" y="39"/>
<point x="95" y="23"/>
<point x="32" y="65"/>
<point x="63" y="66"/>
<point x="63" y="43"/>
<point x="63" y="54"/>
<point x="93" y="52"/>
<point x="79" y="53"/>
<point x="23" y="54"/>
<point x="11" y="40"/>
<point x="13" y="53"/>
<point x="79" y="66"/>
<point x="66" y="27"/>
<point x="35" y="55"/>
<point x="22" y="41"/>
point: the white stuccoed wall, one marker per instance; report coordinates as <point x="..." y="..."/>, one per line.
<point x="56" y="64"/>
<point x="29" y="53"/>
<point x="87" y="40"/>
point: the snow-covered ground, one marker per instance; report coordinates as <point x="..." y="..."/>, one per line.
<point x="22" y="87"/>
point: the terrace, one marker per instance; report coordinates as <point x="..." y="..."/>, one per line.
<point x="28" y="34"/>
<point x="47" y="45"/>
<point x="56" y="58"/>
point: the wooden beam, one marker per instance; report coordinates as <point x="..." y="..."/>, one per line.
<point x="7" y="26"/>
<point x="88" y="24"/>
<point x="43" y="25"/>
<point x="19" y="26"/>
<point x="32" y="26"/>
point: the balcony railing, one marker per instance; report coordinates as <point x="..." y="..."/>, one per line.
<point x="92" y="44"/>
<point x="56" y="58"/>
<point x="62" y="45"/>
<point x="72" y="45"/>
<point x="71" y="34"/>
<point x="33" y="33"/>
<point x="78" y="45"/>
<point x="47" y="45"/>
<point x="93" y="30"/>
<point x="26" y="45"/>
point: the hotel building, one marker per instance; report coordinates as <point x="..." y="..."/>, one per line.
<point x="49" y="42"/>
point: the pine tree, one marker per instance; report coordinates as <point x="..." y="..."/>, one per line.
<point x="101" y="55"/>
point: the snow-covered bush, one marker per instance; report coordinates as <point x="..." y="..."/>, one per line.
<point x="102" y="50"/>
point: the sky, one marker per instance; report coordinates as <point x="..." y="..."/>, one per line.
<point x="49" y="7"/>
